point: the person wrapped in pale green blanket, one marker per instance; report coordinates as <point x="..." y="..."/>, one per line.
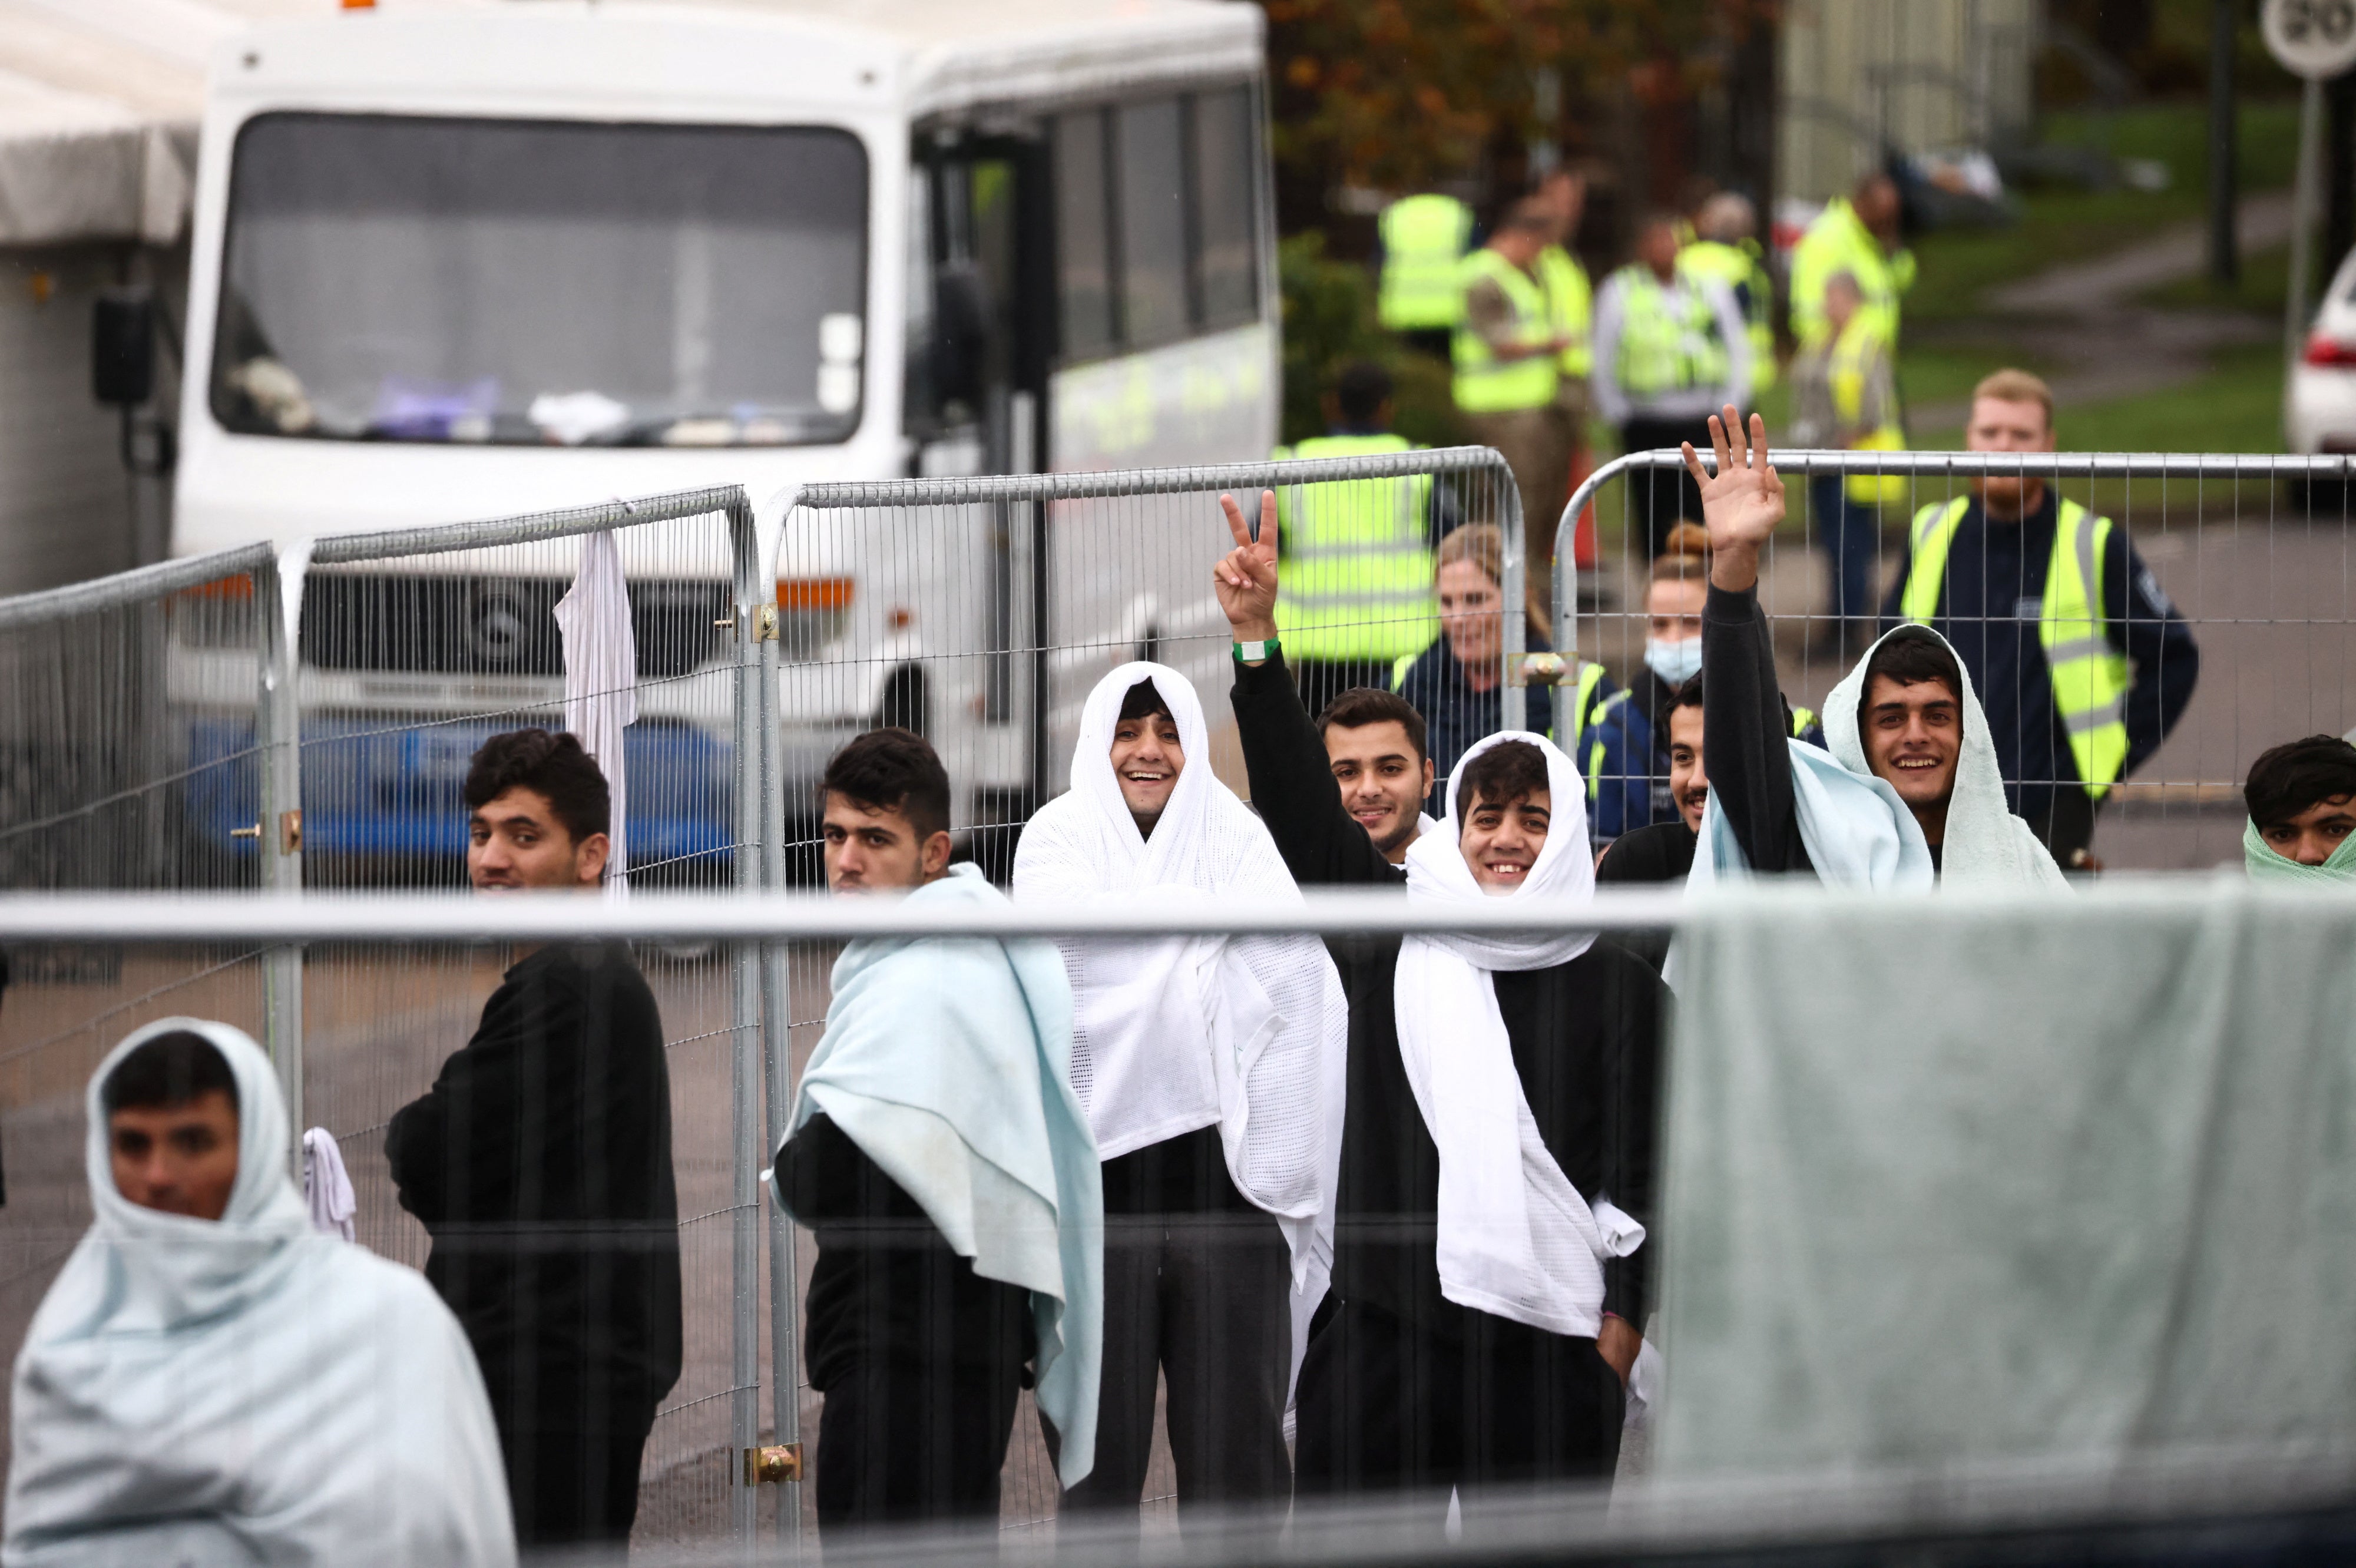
<point x="2302" y="824"/>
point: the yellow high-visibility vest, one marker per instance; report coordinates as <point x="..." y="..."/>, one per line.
<point x="1745" y="275"/>
<point x="1570" y="307"/>
<point x="1839" y="241"/>
<point x="1851" y="363"/>
<point x="2090" y="676"/>
<point x="1484" y="383"/>
<point x="1661" y="350"/>
<point x="1424" y="239"/>
<point x="1357" y="559"/>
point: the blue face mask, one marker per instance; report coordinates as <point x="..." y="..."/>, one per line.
<point x="1675" y="662"/>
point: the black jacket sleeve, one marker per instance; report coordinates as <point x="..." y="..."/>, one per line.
<point x="1635" y="1026"/>
<point x="1292" y="784"/>
<point x="2156" y="639"/>
<point x="1742" y="732"/>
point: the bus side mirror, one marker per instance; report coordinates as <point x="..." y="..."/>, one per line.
<point x="122" y="345"/>
<point x="960" y="336"/>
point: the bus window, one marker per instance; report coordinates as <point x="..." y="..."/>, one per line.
<point x="1083" y="246"/>
<point x="1225" y="208"/>
<point x="1152" y="225"/>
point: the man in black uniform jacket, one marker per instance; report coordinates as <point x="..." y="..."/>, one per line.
<point x="1402" y="1389"/>
<point x="540" y="1163"/>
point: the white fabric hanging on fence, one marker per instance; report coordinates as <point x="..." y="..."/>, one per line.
<point x="601" y="681"/>
<point x="326" y="1186"/>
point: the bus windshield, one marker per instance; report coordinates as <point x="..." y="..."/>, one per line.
<point x="533" y="283"/>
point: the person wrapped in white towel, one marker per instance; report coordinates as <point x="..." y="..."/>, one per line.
<point x="1904" y="794"/>
<point x="1210" y="1069"/>
<point x="211" y="1380"/>
<point x="1491" y="1268"/>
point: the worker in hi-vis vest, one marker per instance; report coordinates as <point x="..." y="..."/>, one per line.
<point x="1670" y="351"/>
<point x="1420" y="297"/>
<point x="1726" y="247"/>
<point x="1570" y="303"/>
<point x="1860" y="237"/>
<point x="1508" y="354"/>
<point x="2080" y="663"/>
<point x="1357" y="555"/>
<point x="1845" y="396"/>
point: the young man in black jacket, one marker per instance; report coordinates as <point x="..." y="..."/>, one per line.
<point x="1403" y="1388"/>
<point x="540" y="1163"/>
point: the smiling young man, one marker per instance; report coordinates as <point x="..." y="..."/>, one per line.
<point x="1905" y="718"/>
<point x="1425" y="1369"/>
<point x="938" y="1154"/>
<point x="1208" y="1068"/>
<point x="1374" y="744"/>
<point x="2302" y="800"/>
<point x="203" y="1319"/>
<point x="541" y="1164"/>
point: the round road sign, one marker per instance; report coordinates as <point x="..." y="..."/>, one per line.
<point x="2313" y="38"/>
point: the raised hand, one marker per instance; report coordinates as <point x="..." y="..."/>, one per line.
<point x="1743" y="503"/>
<point x="1245" y="578"/>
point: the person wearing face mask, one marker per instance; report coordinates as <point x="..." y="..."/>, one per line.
<point x="1454" y="1351"/>
<point x="1209" y="1069"/>
<point x="211" y="1380"/>
<point x="1904" y="795"/>
<point x="1625" y="752"/>
<point x="1458" y="684"/>
<point x="938" y="1154"/>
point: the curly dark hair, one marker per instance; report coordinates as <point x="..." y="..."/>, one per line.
<point x="893" y="770"/>
<point x="2290" y="779"/>
<point x="1502" y="775"/>
<point x="550" y="766"/>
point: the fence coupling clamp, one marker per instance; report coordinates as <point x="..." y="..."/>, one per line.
<point x="780" y="1462"/>
<point x="1541" y="669"/>
<point x="290" y="832"/>
<point x="253" y="832"/>
<point x="725" y="623"/>
<point x="764" y="623"/>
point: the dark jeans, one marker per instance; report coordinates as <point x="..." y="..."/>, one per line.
<point x="1322" y="680"/>
<point x="1850" y="533"/>
<point x="2068" y="829"/>
<point x="1466" y="1400"/>
<point x="1659" y="498"/>
<point x="1206" y="1301"/>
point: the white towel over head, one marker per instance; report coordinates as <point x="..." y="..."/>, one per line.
<point x="1515" y="1238"/>
<point x="1171" y="1036"/>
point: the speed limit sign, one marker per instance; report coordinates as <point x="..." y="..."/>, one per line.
<point x="2313" y="38"/>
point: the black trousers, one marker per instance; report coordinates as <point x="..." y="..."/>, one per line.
<point x="1206" y="1301"/>
<point x="2068" y="828"/>
<point x="905" y="1439"/>
<point x="573" y="1466"/>
<point x="1322" y="680"/>
<point x="1660" y="499"/>
<point x="1468" y="1400"/>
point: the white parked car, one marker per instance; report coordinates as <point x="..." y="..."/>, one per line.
<point x="2319" y="402"/>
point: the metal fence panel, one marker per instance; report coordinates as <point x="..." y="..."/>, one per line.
<point x="133" y="752"/>
<point x="2253" y="552"/>
<point x="982" y="611"/>
<point x="417" y="646"/>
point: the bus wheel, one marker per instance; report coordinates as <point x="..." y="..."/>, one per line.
<point x="904" y="699"/>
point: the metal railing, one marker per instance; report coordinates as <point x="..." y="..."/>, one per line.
<point x="2250" y="552"/>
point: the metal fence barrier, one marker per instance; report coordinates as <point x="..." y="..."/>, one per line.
<point x="2252" y="555"/>
<point x="129" y="708"/>
<point x="166" y="731"/>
